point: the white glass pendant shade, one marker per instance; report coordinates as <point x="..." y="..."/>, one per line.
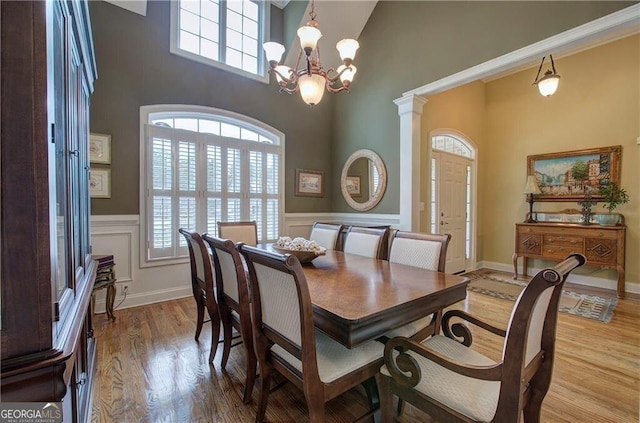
<point x="347" y="49"/>
<point x="548" y="84"/>
<point x="283" y="70"/>
<point x="311" y="88"/>
<point x="347" y="76"/>
<point x="309" y="37"/>
<point x="273" y="51"/>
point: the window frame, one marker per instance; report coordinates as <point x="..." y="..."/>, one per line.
<point x="200" y="112"/>
<point x="264" y="11"/>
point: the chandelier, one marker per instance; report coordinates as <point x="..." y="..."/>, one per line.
<point x="311" y="79"/>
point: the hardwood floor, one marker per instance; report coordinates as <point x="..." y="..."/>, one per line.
<point x="150" y="369"/>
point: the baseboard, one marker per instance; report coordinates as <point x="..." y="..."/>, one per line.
<point x="631" y="287"/>
<point x="144" y="298"/>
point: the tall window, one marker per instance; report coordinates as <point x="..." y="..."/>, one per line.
<point x="202" y="166"/>
<point x="223" y="33"/>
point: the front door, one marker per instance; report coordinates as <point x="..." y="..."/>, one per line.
<point x="453" y="207"/>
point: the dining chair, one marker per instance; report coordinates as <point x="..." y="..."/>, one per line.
<point x="233" y="302"/>
<point x="451" y="382"/>
<point x="327" y="235"/>
<point x="246" y="232"/>
<point x="202" y="284"/>
<point x="427" y="251"/>
<point x="286" y="340"/>
<point x="368" y="242"/>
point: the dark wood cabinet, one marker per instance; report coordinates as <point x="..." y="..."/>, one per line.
<point x="47" y="73"/>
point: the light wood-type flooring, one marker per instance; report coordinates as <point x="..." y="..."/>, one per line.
<point x="150" y="369"/>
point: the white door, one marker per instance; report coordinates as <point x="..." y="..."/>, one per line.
<point x="453" y="207"/>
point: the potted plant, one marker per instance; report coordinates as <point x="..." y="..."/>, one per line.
<point x="612" y="197"/>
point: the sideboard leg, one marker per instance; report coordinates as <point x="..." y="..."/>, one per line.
<point x="515" y="265"/>
<point x="620" y="270"/>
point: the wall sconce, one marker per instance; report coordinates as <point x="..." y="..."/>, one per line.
<point x="531" y="189"/>
<point x="548" y="84"/>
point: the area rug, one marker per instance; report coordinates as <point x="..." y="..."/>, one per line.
<point x="492" y="283"/>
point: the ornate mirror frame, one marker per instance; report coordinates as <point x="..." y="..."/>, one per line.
<point x="377" y="196"/>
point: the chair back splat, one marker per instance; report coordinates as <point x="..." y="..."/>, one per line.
<point x="286" y="341"/>
<point x="202" y="284"/>
<point x="232" y="293"/>
<point x="327" y="235"/>
<point x="454" y="383"/>
<point x="368" y="242"/>
<point x="245" y="232"/>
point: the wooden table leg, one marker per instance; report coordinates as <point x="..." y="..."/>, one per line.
<point x="620" y="270"/>
<point x="515" y="265"/>
<point x="373" y="396"/>
<point x="111" y="296"/>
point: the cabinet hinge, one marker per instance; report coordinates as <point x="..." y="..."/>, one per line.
<point x="56" y="311"/>
<point x="53" y="133"/>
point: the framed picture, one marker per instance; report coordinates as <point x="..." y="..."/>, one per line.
<point x="353" y="185"/>
<point x="100" y="148"/>
<point x="309" y="183"/>
<point x="570" y="175"/>
<point x="100" y="183"/>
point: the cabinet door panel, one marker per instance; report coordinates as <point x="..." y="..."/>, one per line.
<point x="601" y="251"/>
<point x="529" y="244"/>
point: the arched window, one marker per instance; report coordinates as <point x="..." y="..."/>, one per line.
<point x="451" y="144"/>
<point x="201" y="166"/>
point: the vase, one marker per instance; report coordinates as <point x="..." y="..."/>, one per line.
<point x="608" y="219"/>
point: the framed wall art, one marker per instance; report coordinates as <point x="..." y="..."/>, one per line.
<point x="309" y="183"/>
<point x="570" y="175"/>
<point x="99" y="148"/>
<point x="100" y="183"/>
<point x="353" y="185"/>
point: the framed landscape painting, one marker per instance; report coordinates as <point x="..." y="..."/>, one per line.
<point x="570" y="175"/>
<point x="309" y="183"/>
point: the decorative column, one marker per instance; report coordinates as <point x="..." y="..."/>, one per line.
<point x="410" y="111"/>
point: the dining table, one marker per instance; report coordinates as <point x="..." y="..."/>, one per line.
<point x="357" y="299"/>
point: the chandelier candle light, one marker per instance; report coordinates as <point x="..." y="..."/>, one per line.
<point x="311" y="80"/>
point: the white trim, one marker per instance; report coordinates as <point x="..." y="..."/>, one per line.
<point x="606" y="29"/>
<point x="578" y="279"/>
<point x="98" y="221"/>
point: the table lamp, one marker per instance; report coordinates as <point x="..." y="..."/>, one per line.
<point x="531" y="189"/>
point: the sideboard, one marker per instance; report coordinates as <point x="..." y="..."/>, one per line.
<point x="602" y="245"/>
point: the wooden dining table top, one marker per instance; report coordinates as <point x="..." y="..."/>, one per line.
<point x="357" y="299"/>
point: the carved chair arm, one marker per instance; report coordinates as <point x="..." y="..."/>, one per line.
<point x="458" y="330"/>
<point x="405" y="371"/>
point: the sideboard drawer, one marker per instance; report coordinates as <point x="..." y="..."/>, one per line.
<point x="559" y="252"/>
<point x="569" y="241"/>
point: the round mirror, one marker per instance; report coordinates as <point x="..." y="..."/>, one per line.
<point x="364" y="179"/>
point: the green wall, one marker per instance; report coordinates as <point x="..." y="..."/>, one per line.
<point x="135" y="68"/>
<point x="407" y="44"/>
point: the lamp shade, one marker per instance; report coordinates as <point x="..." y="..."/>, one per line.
<point x="309" y="37"/>
<point x="273" y="51"/>
<point x="311" y="88"/>
<point x="548" y="84"/>
<point x="531" y="187"/>
<point x="347" y="49"/>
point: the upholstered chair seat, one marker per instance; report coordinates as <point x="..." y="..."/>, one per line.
<point x="475" y="398"/>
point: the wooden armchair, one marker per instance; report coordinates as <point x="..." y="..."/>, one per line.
<point x="245" y="232"/>
<point x="368" y="242"/>
<point x="453" y="383"/>
<point x="427" y="251"/>
<point x="202" y="283"/>
<point x="285" y="338"/>
<point x="233" y="302"/>
<point x="327" y="235"/>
